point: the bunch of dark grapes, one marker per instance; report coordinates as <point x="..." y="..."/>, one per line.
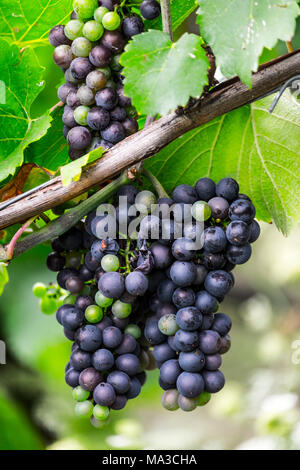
<point x="146" y="297"/>
<point x="104" y="317"/>
<point x="188" y="335"/>
<point x="97" y="113"/>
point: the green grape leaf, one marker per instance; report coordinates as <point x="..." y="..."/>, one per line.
<point x="238" y="30"/>
<point x="180" y="11"/>
<point x="4" y="278"/>
<point x="51" y="151"/>
<point x="22" y="76"/>
<point x="28" y="23"/>
<point x="155" y="71"/>
<point x="259" y="149"/>
<point x="72" y="171"/>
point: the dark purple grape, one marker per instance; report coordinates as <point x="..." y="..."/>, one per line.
<point x="183" y="273"/>
<point x="80" y="360"/>
<point x="123" y="101"/>
<point x="239" y="254"/>
<point x="68" y="118"/>
<point x="114" y="133"/>
<point x="152" y="332"/>
<point x="213" y="381"/>
<point x="120" y="381"/>
<point x="254" y="230"/>
<point x="63" y="56"/>
<point x="89" y="338"/>
<point x="205" y="188"/>
<point x="227" y="188"/>
<point x="219" y="208"/>
<point x="72" y="318"/>
<point x="185" y="193"/>
<point x="213" y="362"/>
<point x="72" y="377"/>
<point x="57" y="36"/>
<point x="214" y="239"/>
<point x="165" y="291"/>
<point x="80" y="68"/>
<point x="186" y="340"/>
<point x="112" y="337"/>
<point x="225" y="344"/>
<point x="242" y="209"/>
<point x="119" y="403"/>
<point x="206" y="302"/>
<point x="169" y="371"/>
<point x="183" y="297"/>
<point x="114" y="41"/>
<point x="162" y="255"/>
<point x="128" y="363"/>
<point x="189" y="318"/>
<point x="135" y="388"/>
<point x="104" y="394"/>
<point x="128" y="344"/>
<point x="163" y="352"/>
<point x="64" y="90"/>
<point x="103" y="360"/>
<point x="72" y="99"/>
<point x="98" y="119"/>
<point x="100" y="56"/>
<point x="79" y="138"/>
<point x="192" y="361"/>
<point x="190" y="384"/>
<point x="218" y="283"/>
<point x="112" y="285"/>
<point x="209" y="341"/>
<point x="130" y="125"/>
<point x="150" y="9"/>
<point x="132" y="25"/>
<point x="107" y="98"/>
<point x="83" y="301"/>
<point x="55" y="261"/>
<point x="89" y="379"/>
<point x="118" y="114"/>
<point x="136" y="283"/>
<point x="238" y="232"/>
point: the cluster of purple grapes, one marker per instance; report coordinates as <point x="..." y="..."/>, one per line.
<point x="104" y="317"/>
<point x="148" y="298"/>
<point x="188" y="335"/>
<point x="88" y="49"/>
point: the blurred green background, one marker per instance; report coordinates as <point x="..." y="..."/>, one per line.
<point x="257" y="409"/>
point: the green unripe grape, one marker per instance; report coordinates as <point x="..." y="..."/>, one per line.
<point x="169" y="400"/>
<point x="85" y="95"/>
<point x="144" y="201"/>
<point x="99" y="424"/>
<point x="115" y="63"/>
<point x="81" y="47"/>
<point x="39" y="290"/>
<point x="80" y="115"/>
<point x="133" y="330"/>
<point x="70" y="299"/>
<point x="187" y="404"/>
<point x="167" y="324"/>
<point x="201" y="211"/>
<point x="84" y="409"/>
<point x="93" y="314"/>
<point x="110" y="263"/>
<point x="79" y="394"/>
<point x="111" y="21"/>
<point x="103" y="301"/>
<point x="73" y="29"/>
<point x="48" y="305"/>
<point x="106" y="71"/>
<point x="99" y="13"/>
<point x="93" y="30"/>
<point x="121" y="309"/>
<point x="84" y="9"/>
<point x="101" y="412"/>
<point x="204" y="398"/>
<point x="96" y="80"/>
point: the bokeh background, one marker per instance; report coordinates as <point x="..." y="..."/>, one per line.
<point x="257" y="409"/>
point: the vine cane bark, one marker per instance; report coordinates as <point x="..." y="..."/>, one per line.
<point x="222" y="99"/>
